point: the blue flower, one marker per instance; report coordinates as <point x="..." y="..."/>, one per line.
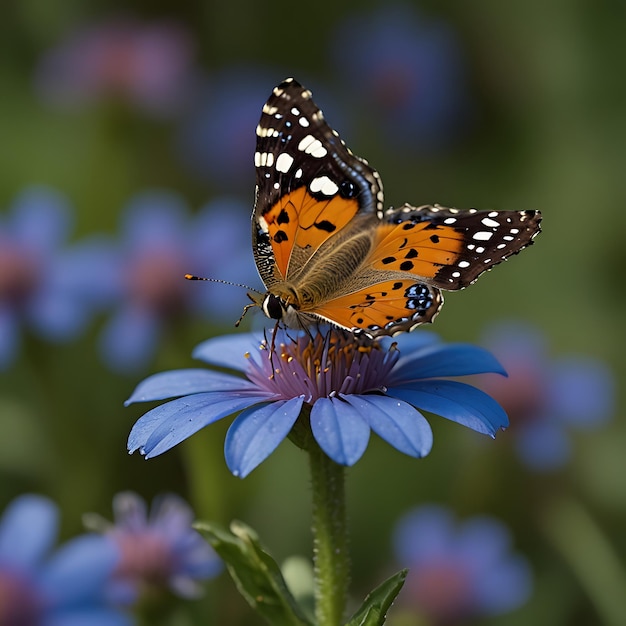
<point x="351" y="387"/>
<point x="148" y="65"/>
<point x="144" y="274"/>
<point x="69" y="587"/>
<point x="408" y="69"/>
<point x="547" y="397"/>
<point x="41" y="285"/>
<point x="458" y="571"/>
<point x="159" y="550"/>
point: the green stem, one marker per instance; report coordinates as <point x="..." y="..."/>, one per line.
<point x="330" y="537"/>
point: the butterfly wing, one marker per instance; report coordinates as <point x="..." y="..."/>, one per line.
<point x="309" y="185"/>
<point x="448" y="248"/>
<point x="385" y="308"/>
<point x="417" y="252"/>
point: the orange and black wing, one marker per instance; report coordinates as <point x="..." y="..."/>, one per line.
<point x="419" y="250"/>
<point x="448" y="248"/>
<point x="309" y="184"/>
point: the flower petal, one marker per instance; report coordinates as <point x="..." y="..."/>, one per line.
<point x="543" y="444"/>
<point x="9" y="336"/>
<point x="100" y="616"/>
<point x="581" y="391"/>
<point x="184" y="383"/>
<point x="229" y="351"/>
<point x="423" y="533"/>
<point x="395" y="421"/>
<point x="256" y="433"/>
<point x="340" y="430"/>
<point x="28" y="530"/>
<point x="79" y="571"/>
<point x="455" y="401"/>
<point x="41" y="218"/>
<point x="167" y="425"/>
<point x="456" y="359"/>
<point x="128" y="341"/>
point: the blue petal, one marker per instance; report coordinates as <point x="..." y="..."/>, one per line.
<point x="424" y="533"/>
<point x="444" y="360"/>
<point x="28" y="530"/>
<point x="229" y="351"/>
<point x="94" y="616"/>
<point x="155" y="218"/>
<point x="9" y="336"/>
<point x="184" y="383"/>
<point x="397" y="422"/>
<point x="56" y="316"/>
<point x="79" y="571"/>
<point x="129" y="339"/>
<point x="455" y="401"/>
<point x="165" y="426"/>
<point x="41" y="218"/>
<point x="581" y="391"/>
<point x="408" y="342"/>
<point x="543" y="444"/>
<point x="256" y="433"/>
<point x="340" y="430"/>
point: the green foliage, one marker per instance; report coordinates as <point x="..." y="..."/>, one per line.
<point x="373" y="611"/>
<point x="255" y="573"/>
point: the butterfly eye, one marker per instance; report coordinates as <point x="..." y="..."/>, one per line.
<point x="272" y="307"/>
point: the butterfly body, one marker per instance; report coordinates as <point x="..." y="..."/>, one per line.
<point x="326" y="249"/>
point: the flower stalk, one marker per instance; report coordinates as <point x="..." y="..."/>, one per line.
<point x="330" y="537"/>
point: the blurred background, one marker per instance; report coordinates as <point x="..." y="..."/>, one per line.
<point x="127" y="134"/>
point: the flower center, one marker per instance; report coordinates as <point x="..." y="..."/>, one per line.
<point x="521" y="394"/>
<point x="322" y="365"/>
<point x="443" y="591"/>
<point x="146" y="558"/>
<point x="19" y="605"/>
<point x="18" y="274"/>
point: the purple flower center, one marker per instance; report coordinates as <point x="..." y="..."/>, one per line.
<point x="18" y="274"/>
<point x="443" y="591"/>
<point x="521" y="395"/>
<point x="147" y="558"/>
<point x="19" y="604"/>
<point x="322" y="366"/>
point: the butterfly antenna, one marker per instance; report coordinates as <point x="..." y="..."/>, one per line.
<point x="223" y="282"/>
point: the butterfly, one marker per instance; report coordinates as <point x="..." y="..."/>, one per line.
<point x="328" y="251"/>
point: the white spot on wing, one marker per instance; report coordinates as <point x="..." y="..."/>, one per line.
<point x="482" y="235"/>
<point x="283" y="162"/>
<point x="324" y="185"/>
<point x="490" y="223"/>
<point x="311" y="145"/>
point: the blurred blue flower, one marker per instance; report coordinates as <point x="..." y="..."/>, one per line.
<point x="546" y="397"/>
<point x="144" y="274"/>
<point x="148" y="65"/>
<point x="69" y="587"/>
<point x="160" y="550"/>
<point x="351" y="386"/>
<point x="217" y="140"/>
<point x="41" y="285"/>
<point x="458" y="571"/>
<point x="408" y="68"/>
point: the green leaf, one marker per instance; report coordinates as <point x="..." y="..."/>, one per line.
<point x="374" y="609"/>
<point x="255" y="573"/>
